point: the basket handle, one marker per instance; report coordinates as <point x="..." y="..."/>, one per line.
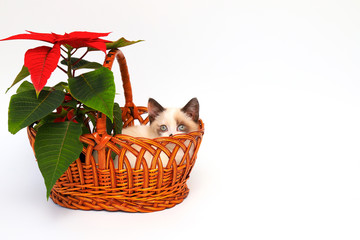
<point x="101" y="137"/>
<point x="109" y="60"/>
<point x="125" y="77"/>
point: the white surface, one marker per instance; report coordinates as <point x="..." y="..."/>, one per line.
<point x="279" y="89"/>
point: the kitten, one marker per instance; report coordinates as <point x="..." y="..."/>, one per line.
<point x="165" y="122"/>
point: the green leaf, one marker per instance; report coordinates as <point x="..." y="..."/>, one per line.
<point x="72" y="104"/>
<point x="115" y="127"/>
<point x="57" y="145"/>
<point x="60" y="86"/>
<point x="118" y="123"/>
<point x="24" y="72"/>
<point x="95" y="89"/>
<point x="49" y="118"/>
<point x="25" y="108"/>
<point x="81" y="64"/>
<point x="122" y="42"/>
<point x="25" y="86"/>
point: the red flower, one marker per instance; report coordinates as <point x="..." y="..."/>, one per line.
<point x="42" y="61"/>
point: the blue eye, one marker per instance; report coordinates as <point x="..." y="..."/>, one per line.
<point x="181" y="128"/>
<point x="163" y="128"/>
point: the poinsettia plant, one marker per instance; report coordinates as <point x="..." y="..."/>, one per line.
<point x="61" y="113"/>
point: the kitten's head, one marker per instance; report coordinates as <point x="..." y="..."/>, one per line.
<point x="166" y="122"/>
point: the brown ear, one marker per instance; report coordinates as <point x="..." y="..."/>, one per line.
<point x="192" y="109"/>
<point x="154" y="109"/>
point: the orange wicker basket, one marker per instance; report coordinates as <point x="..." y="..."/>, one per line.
<point x="98" y="184"/>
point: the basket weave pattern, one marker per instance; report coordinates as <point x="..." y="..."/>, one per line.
<point x="110" y="181"/>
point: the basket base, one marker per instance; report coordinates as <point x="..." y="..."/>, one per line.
<point x="80" y="202"/>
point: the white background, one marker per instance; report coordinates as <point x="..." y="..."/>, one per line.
<point x="279" y="89"/>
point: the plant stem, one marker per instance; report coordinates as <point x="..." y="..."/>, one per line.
<point x="62" y="69"/>
<point x="63" y="57"/>
<point x="62" y="49"/>
<point x="81" y="58"/>
<point x="74" y="51"/>
<point x="69" y="64"/>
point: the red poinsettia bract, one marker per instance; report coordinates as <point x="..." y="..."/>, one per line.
<point x="42" y="61"/>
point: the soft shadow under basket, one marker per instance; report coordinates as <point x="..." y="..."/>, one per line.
<point x="101" y="185"/>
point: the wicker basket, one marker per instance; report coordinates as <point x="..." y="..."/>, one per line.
<point x="97" y="184"/>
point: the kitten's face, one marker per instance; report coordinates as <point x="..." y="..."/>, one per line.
<point x="166" y="122"/>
